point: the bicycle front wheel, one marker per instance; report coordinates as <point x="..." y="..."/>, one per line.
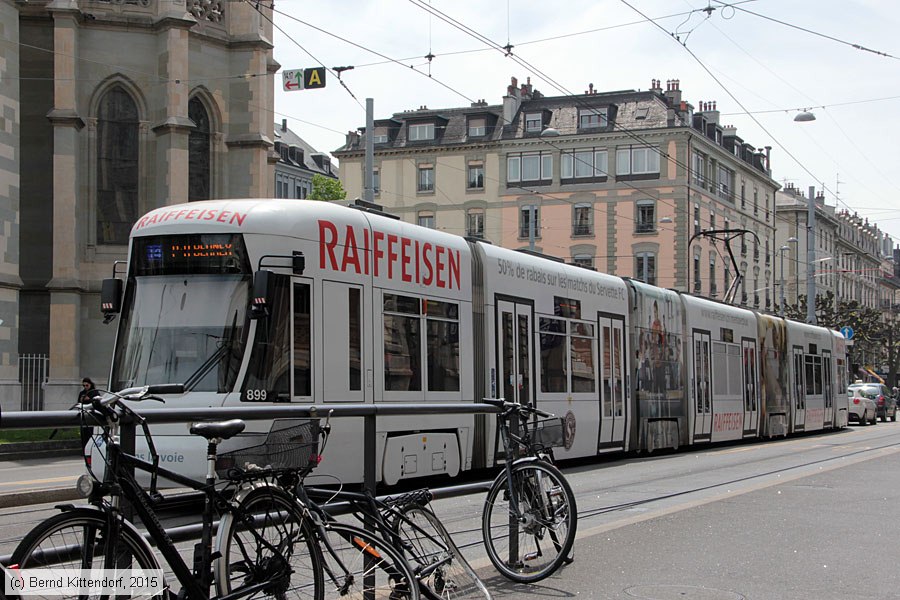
<point x="442" y="571"/>
<point x="74" y="542"/>
<point x="529" y="546"/>
<point x="268" y="541"/>
<point x="364" y="566"/>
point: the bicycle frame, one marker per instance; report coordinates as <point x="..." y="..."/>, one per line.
<point x="118" y="482"/>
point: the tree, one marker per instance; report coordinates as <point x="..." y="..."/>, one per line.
<point x="326" y="188"/>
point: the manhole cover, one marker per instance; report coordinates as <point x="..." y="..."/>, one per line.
<point x="680" y="592"/>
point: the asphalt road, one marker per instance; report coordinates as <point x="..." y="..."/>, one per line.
<point x="802" y="518"/>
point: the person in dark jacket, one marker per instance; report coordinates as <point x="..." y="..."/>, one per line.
<point x="88" y="391"/>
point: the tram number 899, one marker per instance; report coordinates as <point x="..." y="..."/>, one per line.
<point x="255" y="395"/>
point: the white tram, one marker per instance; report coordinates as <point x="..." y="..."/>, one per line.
<point x="355" y="306"/>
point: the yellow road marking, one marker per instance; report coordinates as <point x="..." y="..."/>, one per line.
<point x="33" y="481"/>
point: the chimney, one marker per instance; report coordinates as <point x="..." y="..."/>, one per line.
<point x="656" y="86"/>
<point x="673" y="92"/>
<point x="712" y="115"/>
<point x="511" y="102"/>
<point x="769" y="160"/>
<point x="284" y="124"/>
<point x="729" y="130"/>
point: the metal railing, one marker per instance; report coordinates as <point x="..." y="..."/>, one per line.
<point x="33" y="372"/>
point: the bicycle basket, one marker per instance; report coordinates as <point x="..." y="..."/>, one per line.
<point x="290" y="445"/>
<point x="548" y="433"/>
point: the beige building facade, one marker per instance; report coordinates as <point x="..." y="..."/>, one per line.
<point x="119" y="107"/>
<point x="632" y="183"/>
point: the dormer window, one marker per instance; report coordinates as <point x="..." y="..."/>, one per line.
<point x="592" y="118"/>
<point x="421" y="131"/>
<point x="533" y="122"/>
<point x="477" y="127"/>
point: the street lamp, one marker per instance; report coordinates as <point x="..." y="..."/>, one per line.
<point x="791" y="240"/>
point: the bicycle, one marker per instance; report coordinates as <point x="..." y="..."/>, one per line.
<point x="530" y="517"/>
<point x="259" y="549"/>
<point x="411" y="527"/>
<point x="353" y="563"/>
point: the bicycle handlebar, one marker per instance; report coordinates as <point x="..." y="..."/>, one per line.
<point x="510" y="407"/>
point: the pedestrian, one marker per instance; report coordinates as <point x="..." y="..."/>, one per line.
<point x="88" y="391"/>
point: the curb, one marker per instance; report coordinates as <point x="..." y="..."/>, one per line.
<point x="14" y="499"/>
<point x="50" y="448"/>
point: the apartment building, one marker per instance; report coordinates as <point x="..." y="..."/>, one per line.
<point x="622" y="182"/>
<point x="297" y="163"/>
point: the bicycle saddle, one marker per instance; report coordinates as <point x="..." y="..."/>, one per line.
<point x="221" y="430"/>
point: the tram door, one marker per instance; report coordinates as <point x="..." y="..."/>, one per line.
<point x="799" y="390"/>
<point x="342" y="357"/>
<point x="612" y="377"/>
<point x="827" y="389"/>
<point x="751" y="388"/>
<point x="702" y="387"/>
<point x="516" y="352"/>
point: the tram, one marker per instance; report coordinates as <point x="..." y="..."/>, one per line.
<point x="258" y="302"/>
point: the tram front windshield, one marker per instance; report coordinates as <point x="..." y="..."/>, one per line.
<point x="181" y="327"/>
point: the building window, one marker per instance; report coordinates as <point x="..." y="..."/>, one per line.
<point x="477" y="127"/>
<point x="646" y="216"/>
<point x="743" y="195"/>
<point x="475" y="222"/>
<point x="117" y="166"/>
<point x="425" y="218"/>
<point x="755" y="201"/>
<point x="712" y="276"/>
<point x="426" y="179"/>
<point x="697" y="274"/>
<point x="698" y="169"/>
<point x="475" y="179"/>
<point x="198" y="151"/>
<point x="592" y="118"/>
<point x="637" y="161"/>
<point x="533" y="167"/>
<point x="697" y="228"/>
<point x="582" y="219"/>
<point x="768" y="258"/>
<point x="421" y="131"/>
<point x="645" y="267"/>
<point x="587" y="163"/>
<point x="376" y="181"/>
<point x="712" y="220"/>
<point x="583" y="260"/>
<point x="379" y="138"/>
<point x="533" y="122"/>
<point x="525" y="218"/>
<point x="726" y="183"/>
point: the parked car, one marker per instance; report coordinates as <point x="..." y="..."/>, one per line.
<point x="879" y="394"/>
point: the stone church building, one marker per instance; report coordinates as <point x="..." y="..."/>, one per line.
<point x="108" y="109"/>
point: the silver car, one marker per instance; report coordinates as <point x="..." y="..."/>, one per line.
<point x="885" y="403"/>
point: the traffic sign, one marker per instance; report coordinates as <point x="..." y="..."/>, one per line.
<point x="303" y="79"/>
<point x="847" y="332"/>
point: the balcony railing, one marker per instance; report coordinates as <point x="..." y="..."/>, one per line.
<point x="645" y="227"/>
<point x="582" y="229"/>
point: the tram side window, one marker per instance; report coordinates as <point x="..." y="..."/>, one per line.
<point x="402" y="344"/>
<point x="720" y="370"/>
<point x="442" y="325"/>
<point x="813" y="375"/>
<point x="302" y="340"/>
<point x="582" y="357"/>
<point x="269" y="369"/>
<point x="553" y="355"/>
<point x="355" y="339"/>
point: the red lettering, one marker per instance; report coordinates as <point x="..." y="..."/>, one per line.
<point x="425" y="259"/>
<point x="392" y="255"/>
<point x="377" y="253"/>
<point x="223" y="216"/>
<point x="418" y="261"/>
<point x="327" y="245"/>
<point x="180" y="212"/>
<point x="169" y="215"/>
<point x="440" y="266"/>
<point x="453" y="255"/>
<point x="191" y="214"/>
<point x="404" y="259"/>
<point x="239" y="217"/>
<point x="140" y="223"/>
<point x="210" y="215"/>
<point x="351" y="257"/>
<point x="366" y="250"/>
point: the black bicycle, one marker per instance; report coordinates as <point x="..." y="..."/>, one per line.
<point x="411" y="527"/>
<point x="530" y="518"/>
<point x="261" y="550"/>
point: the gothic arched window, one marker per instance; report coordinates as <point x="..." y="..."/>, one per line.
<point x="117" y="166"/>
<point x="198" y="151"/>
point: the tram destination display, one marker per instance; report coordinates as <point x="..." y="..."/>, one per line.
<point x="209" y="254"/>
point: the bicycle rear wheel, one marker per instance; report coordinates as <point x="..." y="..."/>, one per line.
<point x="72" y="543"/>
<point x="442" y="570"/>
<point x="532" y="547"/>
<point x="293" y="566"/>
<point x="365" y="566"/>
